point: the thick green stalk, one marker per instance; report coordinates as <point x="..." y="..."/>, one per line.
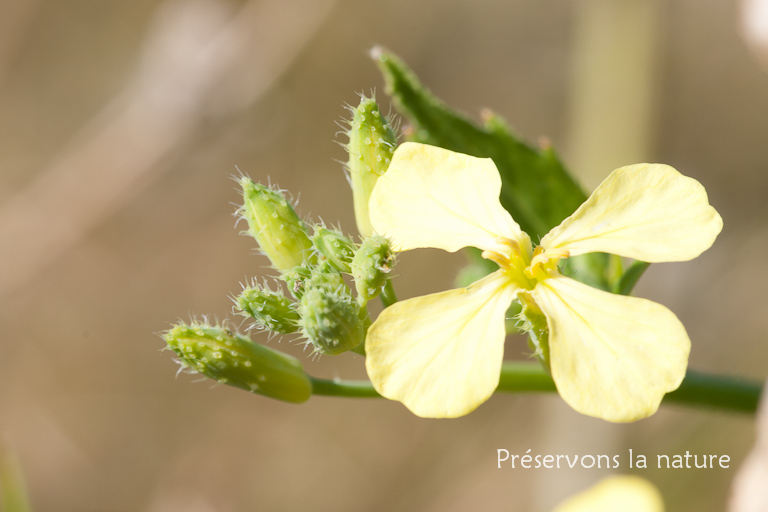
<point x="718" y="391"/>
<point x="346" y="388"/>
<point x="697" y="390"/>
<point x="388" y="296"/>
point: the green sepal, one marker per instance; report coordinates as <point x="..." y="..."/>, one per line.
<point x="370" y="147"/>
<point x="232" y="359"/>
<point x="532" y="320"/>
<point x="274" y="224"/>
<point x="371" y="265"/>
<point x="335" y="247"/>
<point x="272" y="310"/>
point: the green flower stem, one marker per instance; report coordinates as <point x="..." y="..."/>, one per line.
<point x="718" y="391"/>
<point x="697" y="390"/>
<point x="630" y="277"/>
<point x="388" y="294"/>
<point x="366" y="319"/>
<point x="347" y="388"/>
<point x="522" y="377"/>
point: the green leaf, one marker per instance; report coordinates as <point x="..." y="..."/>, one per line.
<point x="536" y="188"/>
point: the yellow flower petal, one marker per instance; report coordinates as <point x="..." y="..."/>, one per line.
<point x="441" y="354"/>
<point x="611" y="356"/>
<point x="432" y="197"/>
<point x="648" y="212"/>
<point x="625" y="493"/>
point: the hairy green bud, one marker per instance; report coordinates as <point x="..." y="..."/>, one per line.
<point x="274" y="224"/>
<point x="326" y="277"/>
<point x="296" y="279"/>
<point x="301" y="278"/>
<point x="271" y="310"/>
<point x="335" y="247"/>
<point x="233" y="359"/>
<point x="370" y="147"/>
<point x="330" y="319"/>
<point x="371" y="265"/>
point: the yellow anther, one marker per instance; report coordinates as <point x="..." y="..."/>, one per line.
<point x="542" y="258"/>
<point x="497" y="258"/>
<point x="512" y="244"/>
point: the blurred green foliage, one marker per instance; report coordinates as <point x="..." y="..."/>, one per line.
<point x="13" y="495"/>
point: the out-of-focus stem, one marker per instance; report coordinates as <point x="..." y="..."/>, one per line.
<point x="630" y="277"/>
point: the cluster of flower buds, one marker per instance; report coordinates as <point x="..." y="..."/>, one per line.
<point x="312" y="299"/>
<point x="323" y="309"/>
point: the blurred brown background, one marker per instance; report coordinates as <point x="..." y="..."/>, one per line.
<point x="121" y="124"/>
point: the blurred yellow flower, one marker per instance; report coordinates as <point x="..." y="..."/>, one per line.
<point x="611" y="356"/>
<point x="625" y="493"/>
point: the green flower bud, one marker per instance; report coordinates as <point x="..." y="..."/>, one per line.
<point x="296" y="279"/>
<point x="300" y="278"/>
<point x="335" y="247"/>
<point x="370" y="266"/>
<point x="230" y="358"/>
<point x="275" y="225"/>
<point x="330" y="319"/>
<point x="271" y="310"/>
<point x="326" y="277"/>
<point x="370" y="147"/>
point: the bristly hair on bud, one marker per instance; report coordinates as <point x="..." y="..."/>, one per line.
<point x="330" y="317"/>
<point x="371" y="265"/>
<point x="274" y="224"/>
<point x="336" y="248"/>
<point x="296" y="278"/>
<point x="230" y="358"/>
<point x="371" y="145"/>
<point x="300" y="278"/>
<point x="271" y="310"/>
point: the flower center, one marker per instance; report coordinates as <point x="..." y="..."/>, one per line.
<point x="524" y="268"/>
<point x="544" y="263"/>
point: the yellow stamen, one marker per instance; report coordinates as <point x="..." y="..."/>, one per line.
<point x="512" y="244"/>
<point x="543" y="258"/>
<point x="497" y="258"/>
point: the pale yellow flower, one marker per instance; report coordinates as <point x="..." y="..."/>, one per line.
<point x="611" y="356"/>
<point x="625" y="493"/>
